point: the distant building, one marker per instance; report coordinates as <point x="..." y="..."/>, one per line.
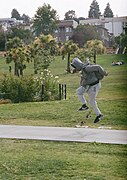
<point x="104" y="35"/>
<point x="6" y="23"/>
<point x="65" y="30"/>
<point x="114" y="25"/>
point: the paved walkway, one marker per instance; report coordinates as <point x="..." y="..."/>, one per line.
<point x="64" y="134"/>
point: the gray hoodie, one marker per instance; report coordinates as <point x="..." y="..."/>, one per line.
<point x="90" y="74"/>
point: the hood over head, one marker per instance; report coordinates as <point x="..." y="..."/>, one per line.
<point x="77" y="64"/>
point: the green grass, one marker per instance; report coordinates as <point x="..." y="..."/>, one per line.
<point x="30" y="159"/>
<point x="112" y="99"/>
<point x="44" y="160"/>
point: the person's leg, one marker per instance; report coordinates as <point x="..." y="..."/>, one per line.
<point x="80" y="93"/>
<point x="92" y="93"/>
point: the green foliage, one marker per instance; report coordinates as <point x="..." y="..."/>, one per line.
<point x="18" y="89"/>
<point x="2" y="41"/>
<point x="83" y="53"/>
<point x="121" y="41"/>
<point x="24" y="34"/>
<point x="70" y="15"/>
<point x="84" y="33"/>
<point x="94" y="11"/>
<point x="50" y="83"/>
<point x="108" y="12"/>
<point x="45" y="20"/>
<point x="68" y="48"/>
<point x="95" y="45"/>
<point x="91" y="48"/>
<point x="29" y="88"/>
<point x="42" y="52"/>
<point x="15" y="14"/>
<point x="19" y="56"/>
<point x="14" y="43"/>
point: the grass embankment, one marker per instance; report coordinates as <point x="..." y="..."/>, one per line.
<point x="30" y="159"/>
<point x="112" y="99"/>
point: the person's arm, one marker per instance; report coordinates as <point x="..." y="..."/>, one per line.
<point x="96" y="68"/>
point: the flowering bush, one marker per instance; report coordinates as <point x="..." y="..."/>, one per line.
<point x="50" y="83"/>
<point x="28" y="89"/>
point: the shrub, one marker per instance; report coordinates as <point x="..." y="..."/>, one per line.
<point x="50" y="83"/>
<point x="18" y="89"/>
<point x="28" y="89"/>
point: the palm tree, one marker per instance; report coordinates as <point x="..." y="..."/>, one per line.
<point x="16" y="53"/>
<point x="95" y="46"/>
<point x="69" y="48"/>
<point x="43" y="50"/>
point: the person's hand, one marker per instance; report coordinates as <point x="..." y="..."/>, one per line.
<point x="106" y="73"/>
<point x="74" y="71"/>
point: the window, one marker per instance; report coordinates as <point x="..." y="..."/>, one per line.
<point x="67" y="29"/>
<point x="56" y="31"/>
<point x="67" y="38"/>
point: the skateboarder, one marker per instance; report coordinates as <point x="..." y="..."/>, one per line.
<point x="90" y="84"/>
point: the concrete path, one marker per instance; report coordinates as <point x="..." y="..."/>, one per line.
<point x="64" y="134"/>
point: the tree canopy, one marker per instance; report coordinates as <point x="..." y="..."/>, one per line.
<point x="94" y="11"/>
<point x="69" y="48"/>
<point x="83" y="33"/>
<point x="108" y="12"/>
<point x="70" y="15"/>
<point x="45" y="20"/>
<point x="15" y="14"/>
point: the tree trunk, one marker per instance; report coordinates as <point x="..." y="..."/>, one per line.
<point x="68" y="63"/>
<point x="35" y="67"/>
<point x="94" y="57"/>
<point x="16" y="71"/>
<point x="21" y="71"/>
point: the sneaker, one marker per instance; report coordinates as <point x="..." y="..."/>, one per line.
<point x="83" y="108"/>
<point x="98" y="118"/>
<point x="82" y="123"/>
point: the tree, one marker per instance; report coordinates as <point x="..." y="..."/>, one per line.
<point x="69" y="48"/>
<point x="45" y="20"/>
<point x="15" y="14"/>
<point x="17" y="53"/>
<point x="25" y="18"/>
<point x="94" y="11"/>
<point x="42" y="51"/>
<point x="108" y="12"/>
<point x="96" y="47"/>
<point x="2" y="41"/>
<point x="83" y="33"/>
<point x="70" y="15"/>
<point x="121" y="43"/>
<point x="24" y="34"/>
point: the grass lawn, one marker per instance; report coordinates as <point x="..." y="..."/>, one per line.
<point x="43" y="160"/>
<point x="112" y="99"/>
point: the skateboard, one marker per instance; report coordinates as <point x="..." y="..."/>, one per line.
<point x="82" y="124"/>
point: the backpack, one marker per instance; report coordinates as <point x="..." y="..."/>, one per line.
<point x="99" y="76"/>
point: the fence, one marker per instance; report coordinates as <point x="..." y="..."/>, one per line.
<point x="62" y="92"/>
<point x="19" y="98"/>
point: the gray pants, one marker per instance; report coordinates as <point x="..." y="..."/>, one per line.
<point x="92" y="93"/>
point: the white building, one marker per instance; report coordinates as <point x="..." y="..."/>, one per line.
<point x="115" y="25"/>
<point x="8" y="22"/>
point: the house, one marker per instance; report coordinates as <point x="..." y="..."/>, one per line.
<point x="114" y="25"/>
<point x="65" y="30"/>
<point x="6" y="23"/>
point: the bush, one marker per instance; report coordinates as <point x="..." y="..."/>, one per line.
<point x="28" y="89"/>
<point x="50" y="83"/>
<point x="18" y="89"/>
